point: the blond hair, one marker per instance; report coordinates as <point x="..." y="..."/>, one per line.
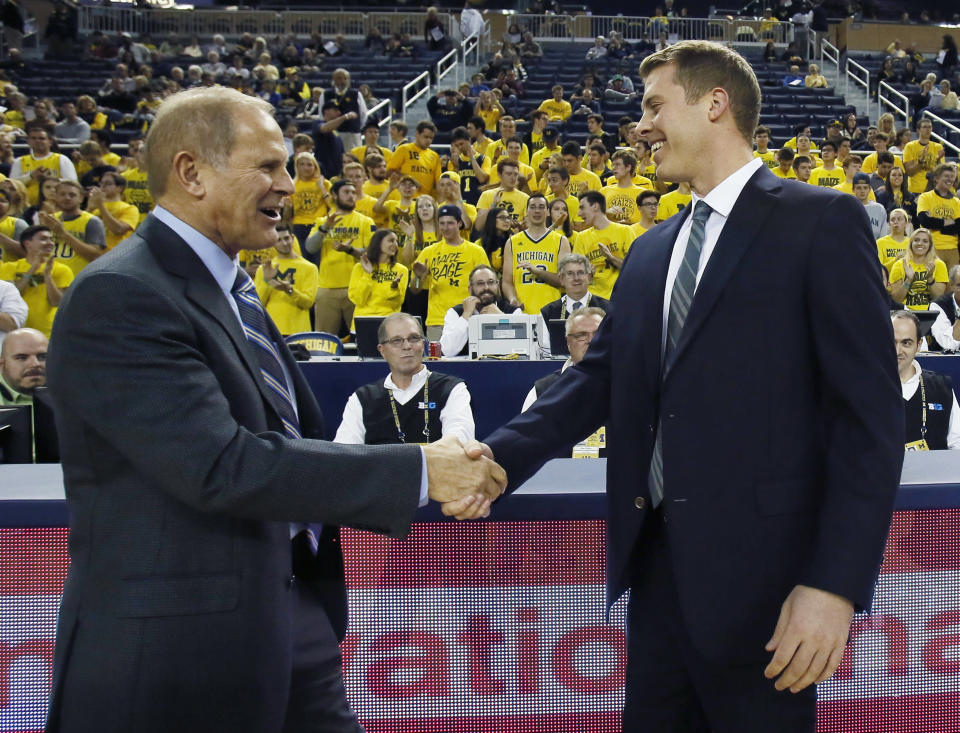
<point x="700" y="66"/>
<point x="202" y="122"/>
<point x="930" y="258"/>
<point x="305" y="156"/>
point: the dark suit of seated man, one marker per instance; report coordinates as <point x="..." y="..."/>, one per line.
<point x="192" y="456"/>
<point x="576" y="275"/>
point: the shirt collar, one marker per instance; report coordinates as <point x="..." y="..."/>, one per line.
<point x="722" y="198"/>
<point x="222" y="267"/>
<point x="16" y="398"/>
<point x="916" y="374"/>
<point x="418" y="380"/>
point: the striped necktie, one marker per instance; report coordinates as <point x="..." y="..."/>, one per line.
<point x="254" y="320"/>
<point x="684" y="287"/>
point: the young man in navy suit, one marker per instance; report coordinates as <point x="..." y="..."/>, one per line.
<point x="750" y="488"/>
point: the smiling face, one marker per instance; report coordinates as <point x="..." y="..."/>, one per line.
<point x="896" y="178"/>
<point x="241" y="200"/>
<point x="920" y="245"/>
<point x="672" y="127"/>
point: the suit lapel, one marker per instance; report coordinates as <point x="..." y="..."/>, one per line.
<point x="176" y="256"/>
<point x="747" y="217"/>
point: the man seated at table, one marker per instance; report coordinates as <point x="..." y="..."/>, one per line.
<point x="576" y="275"/>
<point x="485" y="297"/>
<point x="580" y="329"/>
<point x="931" y="414"/>
<point x="412" y="405"/>
<point x="23" y="366"/>
<point x="946" y="329"/>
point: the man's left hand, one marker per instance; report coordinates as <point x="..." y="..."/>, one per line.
<point x="810" y="637"/>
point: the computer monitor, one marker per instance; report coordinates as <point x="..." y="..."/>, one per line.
<point x="366" y="329"/>
<point x="926" y="319"/>
<point x="45" y="428"/>
<point x="557" y="328"/>
<point x="16" y="434"/>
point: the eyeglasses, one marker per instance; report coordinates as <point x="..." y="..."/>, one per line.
<point x="485" y="283"/>
<point x="574" y="273"/>
<point x="398" y="341"/>
<point x="581" y="336"/>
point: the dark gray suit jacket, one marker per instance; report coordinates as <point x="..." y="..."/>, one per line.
<point x="177" y="606"/>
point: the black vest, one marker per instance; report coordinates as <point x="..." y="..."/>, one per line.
<point x="502" y="303"/>
<point x="348" y="102"/>
<point x="381" y="429"/>
<point x="939" y="395"/>
<point x="541" y="385"/>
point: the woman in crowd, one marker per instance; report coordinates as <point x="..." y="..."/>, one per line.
<point x="16" y="194"/>
<point x="853" y="132"/>
<point x="893" y="246"/>
<point x="496" y="231"/>
<point x="896" y="194"/>
<point x="88" y="111"/>
<point x="558" y="218"/>
<point x="46" y="201"/>
<point x="490" y="110"/>
<point x="311" y="196"/>
<point x="903" y="136"/>
<point x="378" y="283"/>
<point x="426" y="227"/>
<point x="919" y="277"/>
<point x="885" y="124"/>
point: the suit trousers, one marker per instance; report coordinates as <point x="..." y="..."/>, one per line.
<point x="670" y="686"/>
<point x="318" y="700"/>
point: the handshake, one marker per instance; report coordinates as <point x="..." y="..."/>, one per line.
<point x="463" y="478"/>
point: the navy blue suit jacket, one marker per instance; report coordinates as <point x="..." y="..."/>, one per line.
<point x="781" y="413"/>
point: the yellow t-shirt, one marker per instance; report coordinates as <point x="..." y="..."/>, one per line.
<point x="448" y="270"/>
<point x="137" y="192"/>
<point x="573" y="205"/>
<point x="336" y="266"/>
<point x="556" y="111"/>
<point x="40" y="313"/>
<point x="919" y="296"/>
<point x="497" y="150"/>
<point x="537" y="159"/>
<point x="769" y="158"/>
<point x="939" y="207"/>
<point x="29" y="164"/>
<point x="827" y="178"/>
<point x="364" y="206"/>
<point x="870" y="163"/>
<point x="83" y="167"/>
<point x="308" y="201"/>
<point x="373" y="293"/>
<point x="361" y="152"/>
<point x="791" y="173"/>
<point x="14" y="118"/>
<point x="672" y="203"/>
<point x="121" y="211"/>
<point x="889" y="249"/>
<point x="397" y="212"/>
<point x="927" y="156"/>
<point x="421" y="165"/>
<point x="490" y="118"/>
<point x="515" y="202"/>
<point x="625" y="199"/>
<point x="542" y="254"/>
<point x="63" y="251"/>
<point x="639" y="230"/>
<point x="8" y="228"/>
<point x="290" y="311"/>
<point x="617" y="238"/>
<point x="582" y="182"/>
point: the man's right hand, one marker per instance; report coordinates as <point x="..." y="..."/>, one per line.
<point x="463" y="478"/>
<point x="470" y="304"/>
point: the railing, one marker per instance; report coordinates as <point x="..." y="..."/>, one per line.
<point x="813" y="44"/>
<point x="583" y="28"/>
<point x="887" y="95"/>
<point x="445" y="66"/>
<point x="860" y="76"/>
<point x="408" y="95"/>
<point x="470" y="48"/>
<point x="937" y="136"/>
<point x="829" y="52"/>
<point x="383" y="123"/>
<point x="233" y="23"/>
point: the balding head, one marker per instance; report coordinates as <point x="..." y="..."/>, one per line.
<point x="23" y="360"/>
<point x="202" y="122"/>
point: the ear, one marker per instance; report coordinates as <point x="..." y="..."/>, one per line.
<point x="719" y="102"/>
<point x="380" y="349"/>
<point x="189" y="174"/>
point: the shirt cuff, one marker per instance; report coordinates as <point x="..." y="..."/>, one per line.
<point x="424" y="497"/>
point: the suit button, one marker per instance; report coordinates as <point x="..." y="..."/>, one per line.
<point x="640" y="502"/>
<point x="291" y="580"/>
<point x="650" y="428"/>
<point x="671" y="415"/>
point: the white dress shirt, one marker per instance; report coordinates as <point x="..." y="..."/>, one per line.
<point x="942" y="329"/>
<point x="721" y="200"/>
<point x="13" y="304"/>
<point x="532" y="394"/>
<point x="910" y="388"/>
<point x="569" y="304"/>
<point x="456" y="417"/>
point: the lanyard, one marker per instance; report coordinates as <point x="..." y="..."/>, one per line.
<point x="564" y="312"/>
<point x="426" y="413"/>
<point x="923" y="403"/>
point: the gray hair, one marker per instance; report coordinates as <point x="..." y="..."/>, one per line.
<point x="590" y="310"/>
<point x="382" y="330"/>
<point x="575" y="258"/>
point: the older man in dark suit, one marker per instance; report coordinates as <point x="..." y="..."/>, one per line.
<point x="198" y="599"/>
<point x="756" y="426"/>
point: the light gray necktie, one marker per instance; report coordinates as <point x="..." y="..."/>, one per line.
<point x="684" y="287"/>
